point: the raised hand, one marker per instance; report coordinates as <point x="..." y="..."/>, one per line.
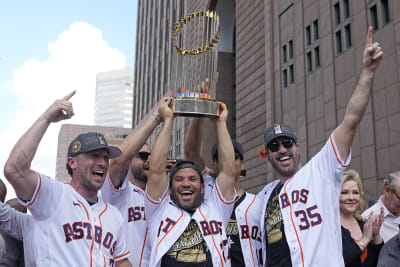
<point x="373" y="53"/>
<point x="61" y="109"/>
<point x="376" y="226"/>
<point x="165" y="109"/>
<point x="222" y="112"/>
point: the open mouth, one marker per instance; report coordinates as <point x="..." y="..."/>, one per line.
<point x="98" y="173"/>
<point x="186" y="194"/>
<point x="284" y="159"/>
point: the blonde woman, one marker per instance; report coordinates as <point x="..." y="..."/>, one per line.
<point x="361" y="240"/>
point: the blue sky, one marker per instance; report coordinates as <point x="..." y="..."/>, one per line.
<point x="49" y="48"/>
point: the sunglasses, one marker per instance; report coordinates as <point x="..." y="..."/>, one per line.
<point x="144" y="155"/>
<point x="286" y="142"/>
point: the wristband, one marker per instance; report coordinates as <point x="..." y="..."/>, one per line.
<point x="157" y="118"/>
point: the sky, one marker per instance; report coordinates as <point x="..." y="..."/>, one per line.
<point x="48" y="49"/>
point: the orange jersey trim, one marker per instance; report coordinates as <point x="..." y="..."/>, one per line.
<point x="336" y="154"/>
<point x="180" y="217"/>
<point x="212" y="237"/>
<point x="144" y="244"/>
<point x="123" y="255"/>
<point x="245" y="216"/>
<point x="294" y="227"/>
<point x="37" y="191"/>
<point x="221" y="197"/>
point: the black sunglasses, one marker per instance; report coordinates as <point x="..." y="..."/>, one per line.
<point x="143" y="155"/>
<point x="286" y="142"/>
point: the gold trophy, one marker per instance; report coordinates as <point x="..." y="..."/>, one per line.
<point x="194" y="65"/>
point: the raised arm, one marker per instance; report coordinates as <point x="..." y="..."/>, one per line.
<point x="158" y="180"/>
<point x="17" y="169"/>
<point x="226" y="155"/>
<point x="193" y="142"/>
<point x="130" y="146"/>
<point x="345" y="132"/>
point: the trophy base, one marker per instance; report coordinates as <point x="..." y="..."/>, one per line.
<point x="194" y="107"/>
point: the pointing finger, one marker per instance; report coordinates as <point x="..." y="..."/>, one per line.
<point x="67" y="97"/>
<point x="368" y="43"/>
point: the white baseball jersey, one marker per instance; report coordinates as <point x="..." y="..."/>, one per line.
<point x="167" y="222"/>
<point x="129" y="200"/>
<point x="70" y="232"/>
<point x="309" y="203"/>
<point x="248" y="224"/>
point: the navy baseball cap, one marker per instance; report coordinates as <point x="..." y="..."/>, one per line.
<point x="184" y="164"/>
<point x="236" y="146"/>
<point x="87" y="142"/>
<point x="278" y="130"/>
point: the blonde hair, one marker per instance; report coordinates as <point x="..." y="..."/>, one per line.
<point x="352" y="175"/>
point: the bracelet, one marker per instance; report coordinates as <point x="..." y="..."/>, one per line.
<point x="157" y="118"/>
<point x="362" y="244"/>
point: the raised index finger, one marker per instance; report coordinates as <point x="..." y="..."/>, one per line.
<point x="368" y="43"/>
<point x="67" y="97"/>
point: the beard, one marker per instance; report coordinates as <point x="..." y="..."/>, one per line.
<point x="287" y="173"/>
<point x="139" y="173"/>
<point x="188" y="207"/>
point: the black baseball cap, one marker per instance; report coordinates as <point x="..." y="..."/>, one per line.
<point x="236" y="146"/>
<point x="184" y="164"/>
<point x="278" y="130"/>
<point x="87" y="142"/>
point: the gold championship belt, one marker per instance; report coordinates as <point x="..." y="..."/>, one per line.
<point x="194" y="65"/>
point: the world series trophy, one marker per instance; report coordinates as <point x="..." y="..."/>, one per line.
<point x="194" y="65"/>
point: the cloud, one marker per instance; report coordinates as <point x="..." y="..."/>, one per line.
<point x="74" y="59"/>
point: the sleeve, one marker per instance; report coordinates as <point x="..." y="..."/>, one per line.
<point x="328" y="161"/>
<point x="121" y="251"/>
<point x="46" y="198"/>
<point x="351" y="251"/>
<point x="115" y="197"/>
<point x="12" y="222"/>
<point x="225" y="207"/>
<point x="151" y="205"/>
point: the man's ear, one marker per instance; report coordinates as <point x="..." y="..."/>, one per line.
<point x="71" y="162"/>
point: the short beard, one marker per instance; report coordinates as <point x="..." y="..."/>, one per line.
<point x="191" y="209"/>
<point x="138" y="174"/>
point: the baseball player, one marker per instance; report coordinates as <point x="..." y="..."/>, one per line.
<point x="183" y="229"/>
<point x="73" y="225"/>
<point x="243" y="231"/>
<point x="300" y="219"/>
<point x="125" y="185"/>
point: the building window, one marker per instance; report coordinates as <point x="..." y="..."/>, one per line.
<point x="284" y="78"/>
<point x="385" y="12"/>
<point x="312" y="50"/>
<point x="284" y="54"/>
<point x="346" y="9"/>
<point x="338" y="42"/>
<point x="373" y="12"/>
<point x="337" y="13"/>
<point x="316" y="56"/>
<point x="287" y="66"/>
<point x="309" y="62"/>
<point x="308" y="35"/>
<point x="291" y="73"/>
<point x="315" y="26"/>
<point x="347" y="33"/>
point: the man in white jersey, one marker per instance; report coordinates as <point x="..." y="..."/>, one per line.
<point x="183" y="229"/>
<point x="390" y="203"/>
<point x="243" y="231"/>
<point x="125" y="185"/>
<point x="300" y="217"/>
<point x="73" y="225"/>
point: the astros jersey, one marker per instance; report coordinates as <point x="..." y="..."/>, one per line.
<point x="309" y="203"/>
<point x="129" y="200"/>
<point x="167" y="222"/>
<point x="247" y="222"/>
<point x="70" y="232"/>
